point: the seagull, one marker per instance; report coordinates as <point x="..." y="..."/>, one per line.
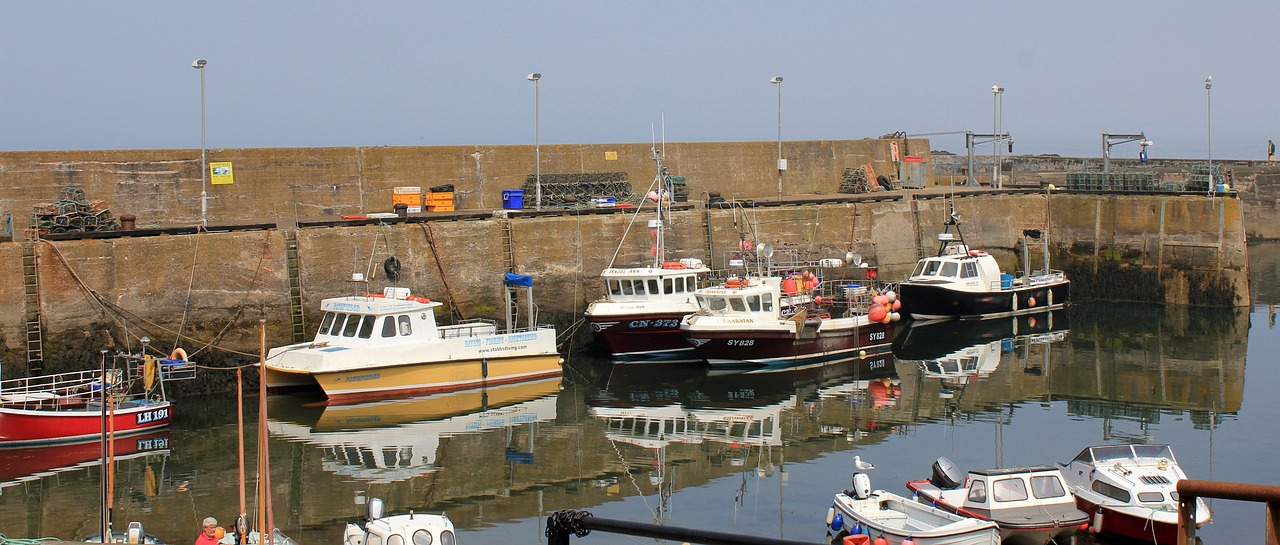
<point x="858" y="463"/>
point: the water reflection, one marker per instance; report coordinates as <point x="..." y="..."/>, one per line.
<point x="396" y="440"/>
<point x="32" y="463"/>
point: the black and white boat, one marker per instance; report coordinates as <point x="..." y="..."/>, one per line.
<point x="960" y="282"/>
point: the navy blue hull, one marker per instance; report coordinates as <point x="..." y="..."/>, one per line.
<point x="925" y="301"/>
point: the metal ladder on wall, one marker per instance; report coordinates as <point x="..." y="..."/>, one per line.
<point x="508" y="246"/>
<point x="31" y="298"/>
<point x="293" y="266"/>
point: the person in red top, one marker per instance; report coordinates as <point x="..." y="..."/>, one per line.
<point x="208" y="533"/>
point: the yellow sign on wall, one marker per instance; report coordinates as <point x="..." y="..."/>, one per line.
<point x="220" y="174"/>
<point x="610" y="156"/>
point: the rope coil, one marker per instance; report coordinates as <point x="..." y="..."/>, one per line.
<point x="568" y="520"/>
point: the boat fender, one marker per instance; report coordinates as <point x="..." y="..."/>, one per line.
<point x="881" y="540"/>
<point x="908" y="541"/>
<point x="178" y="354"/>
<point x="392" y="267"/>
<point x="831" y="515"/>
<point x="837" y="521"/>
<point x="1097" y="522"/>
<point x="1031" y="301"/>
<point x="148" y="373"/>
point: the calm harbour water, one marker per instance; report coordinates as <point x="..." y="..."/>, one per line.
<point x="757" y="453"/>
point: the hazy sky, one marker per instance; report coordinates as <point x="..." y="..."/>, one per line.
<point x="118" y="75"/>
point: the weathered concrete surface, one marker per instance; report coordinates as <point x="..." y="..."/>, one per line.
<point x="163" y="186"/>
<point x="209" y="289"/>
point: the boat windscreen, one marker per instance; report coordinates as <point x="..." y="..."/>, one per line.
<point x="1153" y="451"/>
<point x="1114" y="452"/>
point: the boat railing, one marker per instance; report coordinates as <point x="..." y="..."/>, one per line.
<point x="59" y="390"/>
<point x="469" y="328"/>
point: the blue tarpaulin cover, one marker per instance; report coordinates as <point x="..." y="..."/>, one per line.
<point x="513" y="279"/>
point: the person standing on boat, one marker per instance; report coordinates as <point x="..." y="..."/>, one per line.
<point x="208" y="532"/>
<point x="1271" y="151"/>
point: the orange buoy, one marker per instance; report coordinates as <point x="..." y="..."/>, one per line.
<point x="897" y="304"/>
<point x="856" y="539"/>
<point x="880" y="541"/>
<point x="789" y="285"/>
<point x="1031" y="301"/>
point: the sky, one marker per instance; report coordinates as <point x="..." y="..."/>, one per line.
<point x="82" y="74"/>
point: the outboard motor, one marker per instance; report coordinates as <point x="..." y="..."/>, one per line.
<point x="861" y="486"/>
<point x="945" y="474"/>
<point x="373" y="511"/>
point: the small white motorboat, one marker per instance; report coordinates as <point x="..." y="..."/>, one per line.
<point x="413" y="528"/>
<point x="1130" y="490"/>
<point x="1031" y="505"/>
<point x="898" y="519"/>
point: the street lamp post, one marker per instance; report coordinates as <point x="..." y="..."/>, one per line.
<point x="537" y="147"/>
<point x="777" y="80"/>
<point x="997" y="105"/>
<point x="1208" y="96"/>
<point x="199" y="64"/>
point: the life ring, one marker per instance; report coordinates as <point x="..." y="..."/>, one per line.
<point x="672" y="265"/>
<point x="732" y="283"/>
<point x="148" y="373"/>
<point x="178" y="354"/>
<point x="392" y="267"/>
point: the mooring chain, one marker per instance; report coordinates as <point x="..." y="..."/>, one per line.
<point x="567" y="520"/>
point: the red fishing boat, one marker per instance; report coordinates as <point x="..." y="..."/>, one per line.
<point x="124" y="399"/>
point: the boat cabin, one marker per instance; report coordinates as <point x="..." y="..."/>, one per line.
<point x="675" y="280"/>
<point x="410" y="529"/>
<point x="990" y="491"/>
<point x="393" y="317"/>
<point x="972" y="270"/>
<point x="1130" y="474"/>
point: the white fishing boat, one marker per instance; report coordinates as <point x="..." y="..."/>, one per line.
<point x="1130" y="490"/>
<point x="962" y="282"/>
<point x="638" y="318"/>
<point x="1031" y="505"/>
<point x="788" y="316"/>
<point x="389" y="345"/>
<point x="415" y="528"/>
<point x="897" y="519"/>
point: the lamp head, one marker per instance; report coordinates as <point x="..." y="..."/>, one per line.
<point x="534" y="76"/>
<point x="1146" y="143"/>
<point x="145" y="340"/>
<point x="1208" y="82"/>
<point x="775" y="80"/>
<point x="199" y="64"/>
<point x="997" y="89"/>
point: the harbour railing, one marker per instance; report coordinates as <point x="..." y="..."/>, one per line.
<point x="1190" y="489"/>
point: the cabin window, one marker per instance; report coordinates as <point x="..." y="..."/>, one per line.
<point x="753" y="303"/>
<point x="653" y="286"/>
<point x="1111" y="491"/>
<point x="978" y="492"/>
<point x="970" y="270"/>
<point x="373" y="539"/>
<point x="627" y="288"/>
<point x="1047" y="486"/>
<point x="949" y="269"/>
<point x="668" y="285"/>
<point x="737" y="304"/>
<point x="389" y="326"/>
<point x="405" y="328"/>
<point x="1153" y="451"/>
<point x="446" y="538"/>
<point x="395" y="539"/>
<point x="713" y="304"/>
<point x="422" y="537"/>
<point x="326" y="322"/>
<point x="366" y="326"/>
<point x="1009" y="490"/>
<point x="930" y="267"/>
<point x="1150" y="497"/>
<point x="353" y="322"/>
<point x="614" y="287"/>
<point x="767" y="301"/>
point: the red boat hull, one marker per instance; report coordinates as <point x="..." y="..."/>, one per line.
<point x="23" y="427"/>
<point x="1122" y="524"/>
<point x="644" y="337"/>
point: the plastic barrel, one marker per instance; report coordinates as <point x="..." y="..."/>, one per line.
<point x="513" y="199"/>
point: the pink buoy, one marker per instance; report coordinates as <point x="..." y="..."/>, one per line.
<point x="877" y="313"/>
<point x="880" y="300"/>
<point x="897" y="304"/>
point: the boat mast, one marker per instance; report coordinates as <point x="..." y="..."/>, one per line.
<point x="662" y="184"/>
<point x="266" y="522"/>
